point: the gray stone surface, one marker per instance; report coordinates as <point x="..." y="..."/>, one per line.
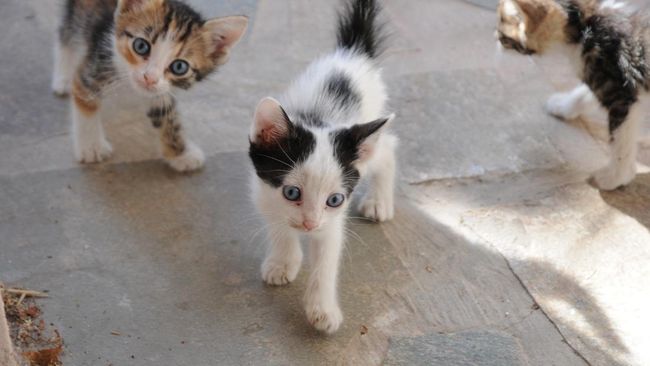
<point x="171" y="261"/>
<point x="460" y="349"/>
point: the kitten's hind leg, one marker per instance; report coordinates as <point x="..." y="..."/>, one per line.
<point x="321" y="298"/>
<point x="572" y="104"/>
<point x="66" y="60"/>
<point x="378" y="203"/>
<point x="621" y="169"/>
<point x="283" y="259"/>
<point x="180" y="153"/>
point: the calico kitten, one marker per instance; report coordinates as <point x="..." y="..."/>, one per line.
<point x="610" y="46"/>
<point x="157" y="45"/>
<point x="311" y="148"/>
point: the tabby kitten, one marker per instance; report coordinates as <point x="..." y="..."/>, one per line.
<point x="610" y="46"/>
<point x="310" y="149"/>
<point x="157" y="45"/>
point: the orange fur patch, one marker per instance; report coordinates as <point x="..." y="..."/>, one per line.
<point x="83" y="99"/>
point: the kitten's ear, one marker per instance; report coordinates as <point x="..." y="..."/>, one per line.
<point x="366" y="136"/>
<point x="271" y="122"/>
<point x="224" y="33"/>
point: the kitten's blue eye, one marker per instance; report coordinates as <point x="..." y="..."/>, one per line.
<point x="141" y="47"/>
<point x="335" y="200"/>
<point x="292" y="193"/>
<point x="179" y="67"/>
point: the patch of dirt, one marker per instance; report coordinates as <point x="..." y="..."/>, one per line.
<point x="38" y="343"/>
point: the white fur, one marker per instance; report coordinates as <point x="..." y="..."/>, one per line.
<point x="66" y="61"/>
<point x="90" y="145"/>
<point x="572" y="104"/>
<point x="191" y="159"/>
<point x="320" y="176"/>
<point x="621" y="169"/>
<point x="613" y="5"/>
<point x="511" y="8"/>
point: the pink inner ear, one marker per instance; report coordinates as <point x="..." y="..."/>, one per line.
<point x="220" y="45"/>
<point x="270" y="123"/>
<point x="365" y="151"/>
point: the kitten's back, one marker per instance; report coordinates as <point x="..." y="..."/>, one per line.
<point x="84" y="18"/>
<point x="345" y="87"/>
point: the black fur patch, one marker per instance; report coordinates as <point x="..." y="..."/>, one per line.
<point x="616" y="68"/>
<point x="182" y="83"/>
<point x="346" y="144"/>
<point x="158" y="114"/>
<point x="310" y="118"/>
<point x="185" y="18"/>
<point x="274" y="161"/>
<point x="358" y="28"/>
<point x="575" y="26"/>
<point x="339" y="87"/>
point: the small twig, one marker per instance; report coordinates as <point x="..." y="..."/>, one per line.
<point x="22" y="297"/>
<point x="30" y="293"/>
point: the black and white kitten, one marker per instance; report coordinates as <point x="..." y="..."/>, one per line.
<point x="610" y="46"/>
<point x="310" y="149"/>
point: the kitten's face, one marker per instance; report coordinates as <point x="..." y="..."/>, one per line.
<point x="528" y="26"/>
<point x="308" y="174"/>
<point x="312" y="193"/>
<point x="165" y="44"/>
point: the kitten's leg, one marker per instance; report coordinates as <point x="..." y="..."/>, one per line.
<point x="283" y="258"/>
<point x="378" y="202"/>
<point x="570" y="105"/>
<point x="321" y="299"/>
<point x="66" y="60"/>
<point x="181" y="154"/>
<point x="621" y="169"/>
<point x="90" y="145"/>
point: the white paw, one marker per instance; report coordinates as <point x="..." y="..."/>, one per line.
<point x="94" y="152"/>
<point x="60" y="86"/>
<point x="562" y="105"/>
<point x="326" y="319"/>
<point x="279" y="273"/>
<point x="190" y="160"/>
<point x="610" y="178"/>
<point x="377" y="207"/>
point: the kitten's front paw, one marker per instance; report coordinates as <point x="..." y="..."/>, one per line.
<point x="279" y="273"/>
<point x="191" y="159"/>
<point x="562" y="106"/>
<point x="95" y="152"/>
<point x="324" y="318"/>
<point x="377" y="208"/>
<point x="609" y="178"/>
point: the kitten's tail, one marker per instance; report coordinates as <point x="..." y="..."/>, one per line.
<point x="358" y="28"/>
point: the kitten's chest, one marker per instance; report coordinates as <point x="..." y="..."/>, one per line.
<point x="122" y="97"/>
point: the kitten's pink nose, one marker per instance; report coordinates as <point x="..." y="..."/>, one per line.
<point x="309" y="225"/>
<point x="149" y="80"/>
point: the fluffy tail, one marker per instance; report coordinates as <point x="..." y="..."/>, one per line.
<point x="359" y="29"/>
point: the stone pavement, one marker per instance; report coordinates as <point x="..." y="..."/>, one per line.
<point x="500" y="253"/>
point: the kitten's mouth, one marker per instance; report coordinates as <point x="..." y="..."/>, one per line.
<point x="302" y="229"/>
<point x="147" y="89"/>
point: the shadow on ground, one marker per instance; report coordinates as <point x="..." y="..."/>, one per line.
<point x="632" y="200"/>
